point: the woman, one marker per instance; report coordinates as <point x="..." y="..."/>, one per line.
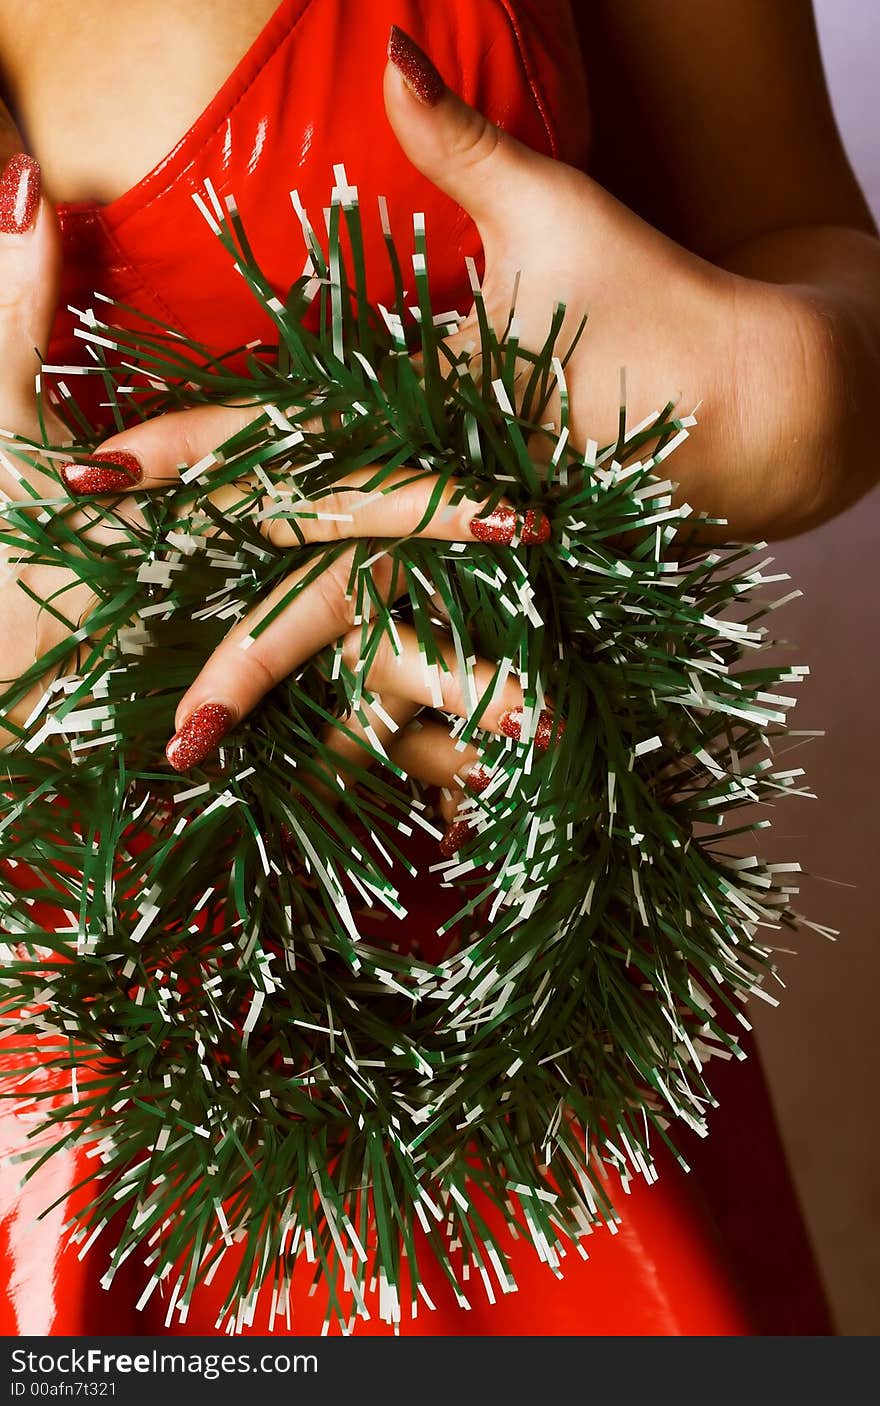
<point x="750" y="273"/>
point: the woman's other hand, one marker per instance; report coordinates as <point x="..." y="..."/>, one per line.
<point x="765" y="357"/>
<point x="29" y="269"/>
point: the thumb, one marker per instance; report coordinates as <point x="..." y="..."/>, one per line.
<point x="474" y="162"/>
<point x="29" y="274"/>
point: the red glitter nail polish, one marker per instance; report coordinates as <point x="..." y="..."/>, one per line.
<point x="108" y="471"/>
<point x="458" y="833"/>
<point x="415" y="68"/>
<point x="477" y="778"/>
<point x="198" y="737"/>
<point x="535" y="529"/>
<point x="546" y="731"/>
<point x="19" y="193"/>
<point x="504" y="524"/>
<point x="511" y="724"/>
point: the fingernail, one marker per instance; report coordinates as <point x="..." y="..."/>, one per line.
<point x="108" y="471"/>
<point x="476" y="778"/>
<point x="19" y="193"/>
<point x="198" y="737"/>
<point x="546" y="731"/>
<point x="458" y="834"/>
<point x="415" y="68"/>
<point x="504" y="524"/>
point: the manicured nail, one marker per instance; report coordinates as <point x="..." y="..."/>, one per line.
<point x="415" y="68"/>
<point x="108" y="471"/>
<point x="19" y="193"/>
<point x="198" y="737"/>
<point x="477" y="778"/>
<point x="458" y="834"/>
<point x="546" y="731"/>
<point x="504" y="524"/>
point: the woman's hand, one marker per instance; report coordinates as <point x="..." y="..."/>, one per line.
<point x="681" y="327"/>
<point x="757" y="357"/>
<point x="398" y="684"/>
<point x="29" y="266"/>
<point x="237" y="676"/>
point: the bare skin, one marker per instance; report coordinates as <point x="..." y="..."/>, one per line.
<point x="167" y="58"/>
<point x="722" y="234"/>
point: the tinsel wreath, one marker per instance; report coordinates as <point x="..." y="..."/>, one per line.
<point x="252" y="1060"/>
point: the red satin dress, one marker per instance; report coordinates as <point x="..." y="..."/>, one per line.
<point x="719" y="1252"/>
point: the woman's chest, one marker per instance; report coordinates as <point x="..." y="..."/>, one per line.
<point x="272" y="105"/>
<point x="102" y="91"/>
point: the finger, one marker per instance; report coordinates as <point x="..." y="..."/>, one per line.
<point x="429" y="753"/>
<point x="388" y="729"/>
<point x="153" y="454"/>
<point x="365" y="737"/>
<point x="440" y="683"/>
<point x="520" y="201"/>
<point x="368" y="503"/>
<point x="349" y="748"/>
<point x="30" y="262"/>
<point x="245" y="666"/>
<point x="372" y="503"/>
<point x="456" y="147"/>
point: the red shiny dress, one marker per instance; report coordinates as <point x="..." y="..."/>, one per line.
<point x="718" y="1252"/>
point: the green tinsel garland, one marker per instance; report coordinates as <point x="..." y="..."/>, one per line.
<point x="250" y="1059"/>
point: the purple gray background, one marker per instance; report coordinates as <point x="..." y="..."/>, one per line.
<point x="822" y="1047"/>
